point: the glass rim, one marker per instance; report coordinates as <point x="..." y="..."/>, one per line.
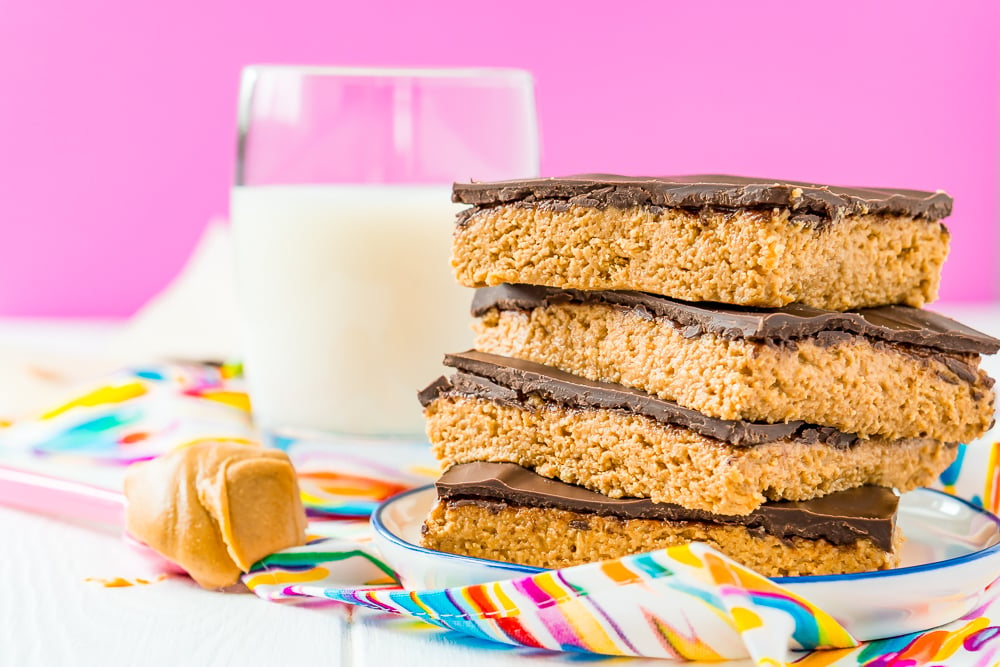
<point x="508" y="78"/>
<point x="379" y="72"/>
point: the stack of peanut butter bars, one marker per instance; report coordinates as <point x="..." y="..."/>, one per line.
<point x="728" y="360"/>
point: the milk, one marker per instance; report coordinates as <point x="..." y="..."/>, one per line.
<point x="348" y="302"/>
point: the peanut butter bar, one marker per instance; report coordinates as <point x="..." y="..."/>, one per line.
<point x="502" y="511"/>
<point x="746" y="241"/>
<point x="892" y="371"/>
<point x="622" y="442"/>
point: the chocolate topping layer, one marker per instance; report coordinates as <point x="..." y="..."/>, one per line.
<point x="511" y="381"/>
<point x="895" y="324"/>
<point x="827" y="202"/>
<point x="840" y="518"/>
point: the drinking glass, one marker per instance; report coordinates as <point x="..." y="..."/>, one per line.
<point x="342" y="222"/>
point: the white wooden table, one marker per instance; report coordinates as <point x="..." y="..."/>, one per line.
<point x="51" y="615"/>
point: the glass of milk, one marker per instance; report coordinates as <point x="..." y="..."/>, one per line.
<point x="342" y="223"/>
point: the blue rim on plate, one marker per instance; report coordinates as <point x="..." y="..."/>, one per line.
<point x="379" y="526"/>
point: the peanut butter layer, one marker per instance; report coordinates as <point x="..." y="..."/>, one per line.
<point x="554" y="538"/>
<point x="622" y="454"/>
<point x="853" y="383"/>
<point x="764" y="257"/>
<point x="215" y="508"/>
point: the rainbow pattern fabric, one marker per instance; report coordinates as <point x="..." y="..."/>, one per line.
<point x="686" y="602"/>
<point x="137" y="414"/>
<point x="683" y="603"/>
<point x="140" y="413"/>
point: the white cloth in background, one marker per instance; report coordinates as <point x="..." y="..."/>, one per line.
<point x="194" y="317"/>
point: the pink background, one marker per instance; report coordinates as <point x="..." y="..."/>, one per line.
<point x="117" y="118"/>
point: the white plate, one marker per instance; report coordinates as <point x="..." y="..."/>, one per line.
<point x="952" y="553"/>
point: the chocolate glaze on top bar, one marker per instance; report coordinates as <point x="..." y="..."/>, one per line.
<point x="825" y="202"/>
<point x="511" y="381"/>
<point x="840" y="518"/>
<point x="895" y="324"/>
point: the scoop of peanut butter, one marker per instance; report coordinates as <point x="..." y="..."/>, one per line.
<point x="215" y="508"/>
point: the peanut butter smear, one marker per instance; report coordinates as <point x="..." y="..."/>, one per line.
<point x="215" y="508"/>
